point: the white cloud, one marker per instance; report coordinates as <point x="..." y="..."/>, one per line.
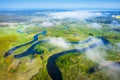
<point x="96" y="55"/>
<point x="47" y="24"/>
<point x="94" y="25"/>
<point x="118" y="45"/>
<point x="82" y="15"/>
<point x="89" y="41"/>
<point x="59" y="42"/>
<point x="116" y="48"/>
<point x="110" y="69"/>
<point x="37" y="19"/>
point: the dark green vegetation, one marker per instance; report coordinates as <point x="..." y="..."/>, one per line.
<point x="73" y="66"/>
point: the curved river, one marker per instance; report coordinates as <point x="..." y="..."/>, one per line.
<point x="9" y="52"/>
<point x="30" y="51"/>
<point x="51" y="66"/>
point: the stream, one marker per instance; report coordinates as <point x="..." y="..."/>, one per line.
<point x="51" y="66"/>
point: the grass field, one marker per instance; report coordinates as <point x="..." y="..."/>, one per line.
<point x="73" y="66"/>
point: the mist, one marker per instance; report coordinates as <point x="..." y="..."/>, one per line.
<point x="59" y="42"/>
<point x="107" y="67"/>
<point x="94" y="25"/>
